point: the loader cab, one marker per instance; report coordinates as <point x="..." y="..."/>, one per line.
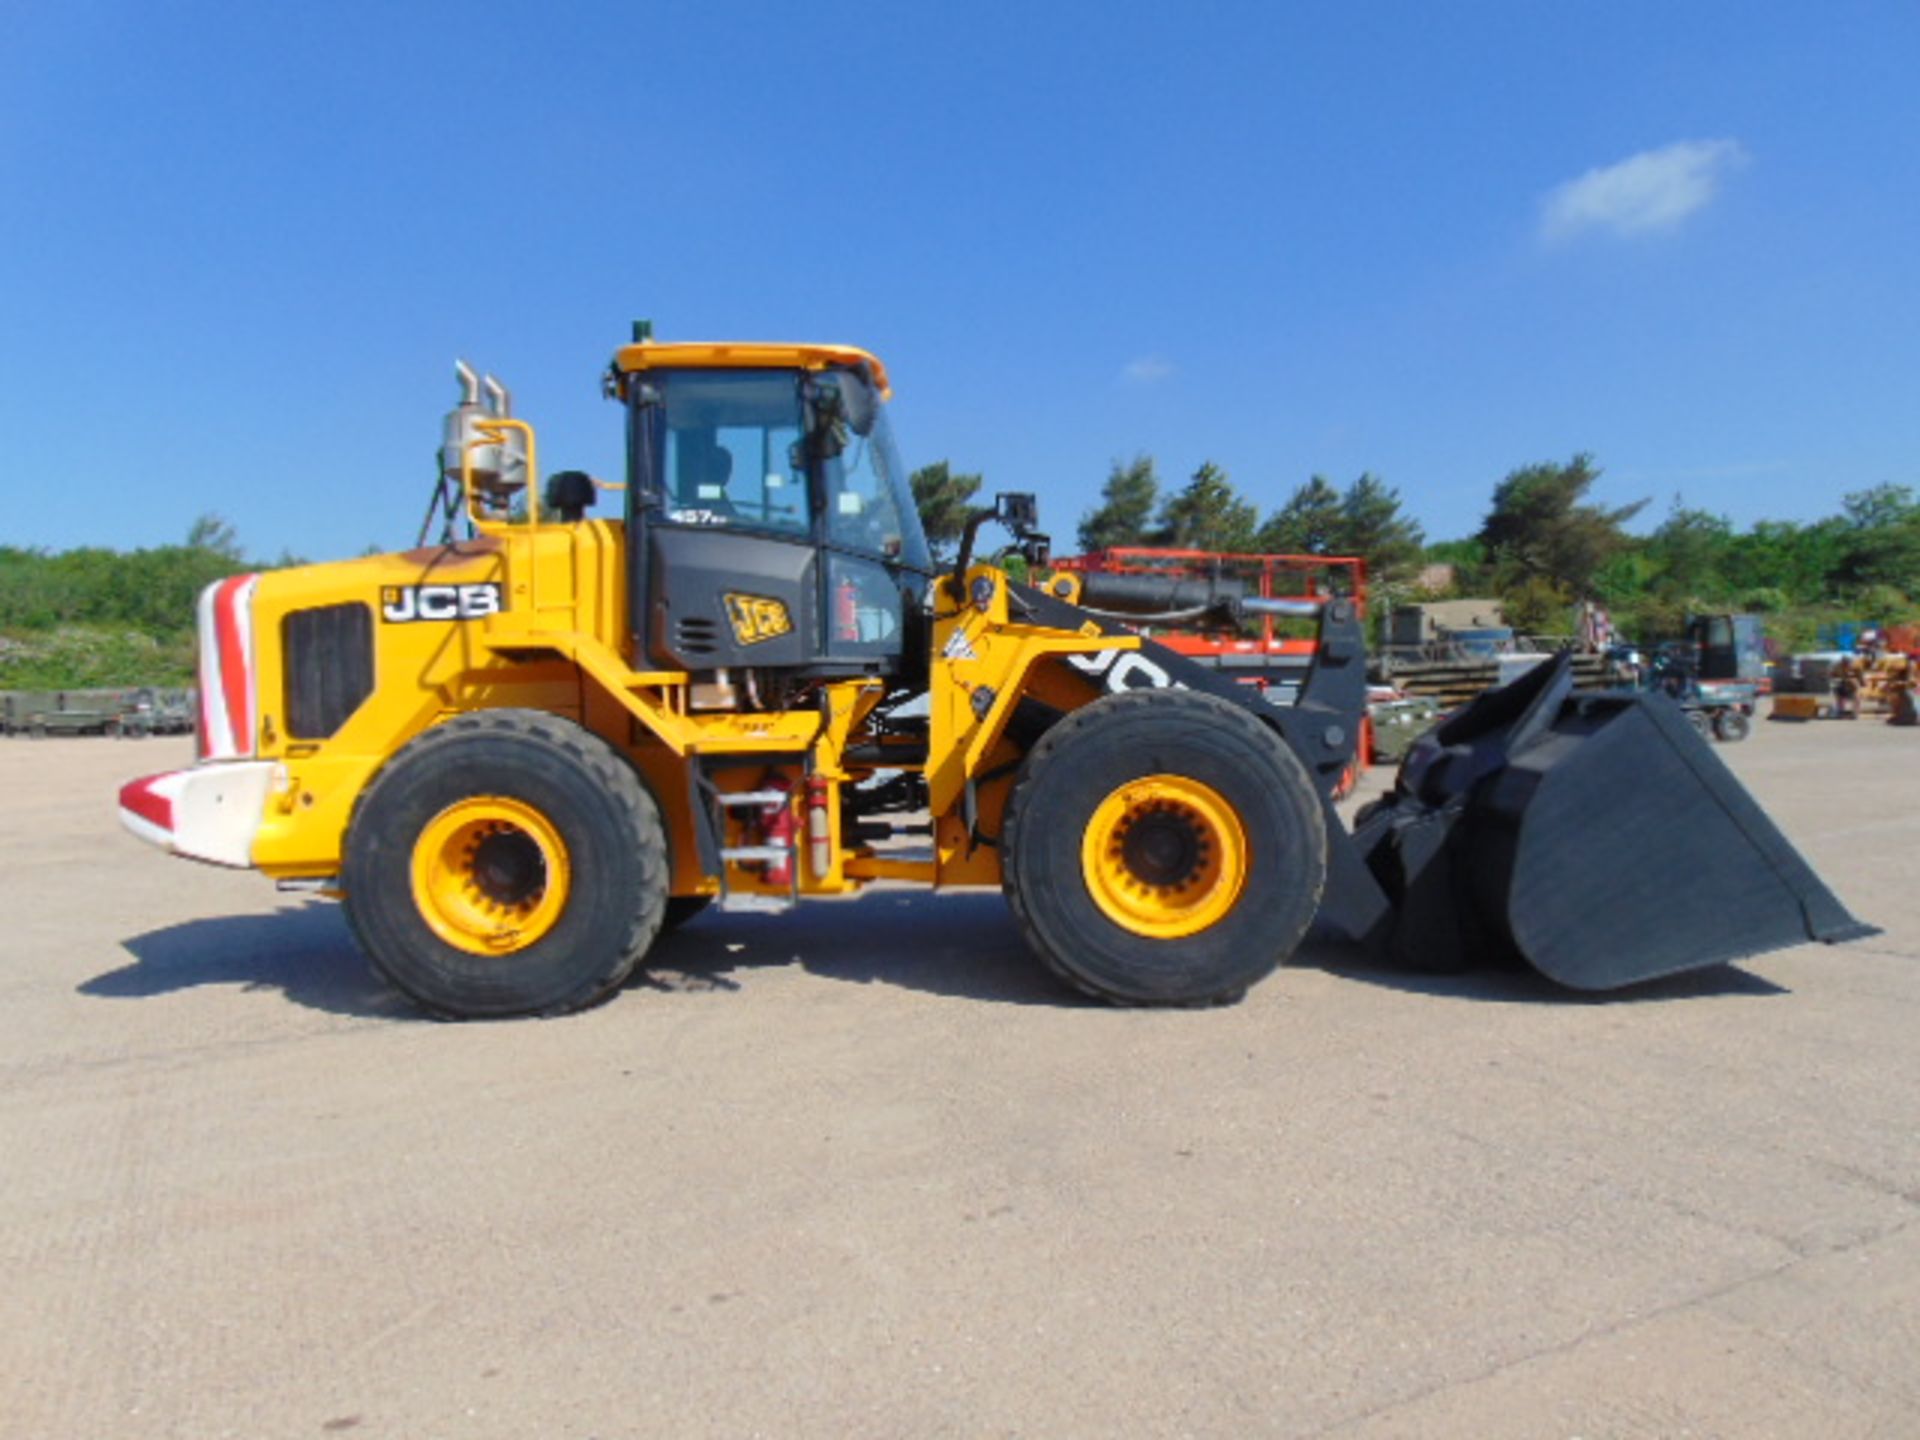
<point x="1730" y="647"/>
<point x="772" y="524"/>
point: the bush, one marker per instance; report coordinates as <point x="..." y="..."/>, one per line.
<point x="81" y="657"/>
<point x="1767" y="600"/>
<point x="1537" y="606"/>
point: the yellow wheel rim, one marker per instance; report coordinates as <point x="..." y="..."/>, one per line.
<point x="1165" y="856"/>
<point x="490" y="875"/>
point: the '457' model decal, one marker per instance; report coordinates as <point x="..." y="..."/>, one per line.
<point x="400" y="604"/>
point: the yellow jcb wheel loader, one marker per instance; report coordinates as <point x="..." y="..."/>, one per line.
<point x="522" y="749"/>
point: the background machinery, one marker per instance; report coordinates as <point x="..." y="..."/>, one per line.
<point x="521" y="749"/>
<point x="1190" y="601"/>
<point x="1720" y="709"/>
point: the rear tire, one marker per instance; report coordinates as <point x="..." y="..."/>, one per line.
<point x="1163" y="847"/>
<point x="506" y="863"/>
<point x="1701" y="722"/>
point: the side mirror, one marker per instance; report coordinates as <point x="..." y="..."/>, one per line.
<point x="1019" y="512"/>
<point x="858" y="403"/>
<point x="826" y="420"/>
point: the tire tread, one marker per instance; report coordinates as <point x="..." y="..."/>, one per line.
<point x="1206" y="715"/>
<point x="638" y="814"/>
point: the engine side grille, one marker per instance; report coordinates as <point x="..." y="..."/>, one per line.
<point x="696" y="635"/>
<point x="329" y="667"/>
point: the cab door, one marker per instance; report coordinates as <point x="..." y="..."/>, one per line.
<point x="722" y="509"/>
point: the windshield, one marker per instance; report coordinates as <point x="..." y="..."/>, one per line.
<point x="778" y="451"/>
<point x="731" y="450"/>
<point x="869" y="500"/>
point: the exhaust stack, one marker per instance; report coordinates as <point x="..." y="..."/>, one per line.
<point x="498" y="464"/>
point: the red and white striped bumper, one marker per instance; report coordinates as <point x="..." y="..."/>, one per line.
<point x="228" y="704"/>
<point x="211" y="812"/>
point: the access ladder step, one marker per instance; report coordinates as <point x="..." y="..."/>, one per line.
<point x="748" y="902"/>
<point x="734" y="800"/>
<point x="755" y="854"/>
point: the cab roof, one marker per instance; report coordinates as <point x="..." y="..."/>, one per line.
<point x="753" y="355"/>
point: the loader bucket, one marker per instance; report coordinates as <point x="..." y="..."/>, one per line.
<point x="1595" y="836"/>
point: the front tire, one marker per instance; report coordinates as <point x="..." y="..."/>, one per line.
<point x="1163" y="847"/>
<point x="1731" y="726"/>
<point x="506" y="863"/>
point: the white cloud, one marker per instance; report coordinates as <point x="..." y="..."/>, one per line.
<point x="1147" y="370"/>
<point x="1643" y="194"/>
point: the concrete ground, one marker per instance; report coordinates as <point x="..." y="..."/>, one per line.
<point x="862" y="1170"/>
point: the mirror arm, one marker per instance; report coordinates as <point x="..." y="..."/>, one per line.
<point x="957" y="582"/>
<point x="1017" y="511"/>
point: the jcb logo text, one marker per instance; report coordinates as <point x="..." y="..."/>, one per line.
<point x="756" y="618"/>
<point x="402" y="603"/>
<point x="1121" y="670"/>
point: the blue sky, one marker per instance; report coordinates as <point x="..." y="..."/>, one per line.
<point x="240" y="245"/>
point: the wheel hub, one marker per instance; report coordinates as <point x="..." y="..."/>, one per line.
<point x="1165" y="856"/>
<point x="1163" y="848"/>
<point x="490" y="875"/>
<point x="508" y="868"/>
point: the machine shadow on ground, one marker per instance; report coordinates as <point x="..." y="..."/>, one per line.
<point x="302" y="950"/>
<point x="1514" y="982"/>
<point x="962" y="945"/>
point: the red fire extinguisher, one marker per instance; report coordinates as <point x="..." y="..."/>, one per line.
<point x="777" y="827"/>
<point x="846" y="610"/>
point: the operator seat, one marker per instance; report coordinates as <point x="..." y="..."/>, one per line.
<point x="706" y="469"/>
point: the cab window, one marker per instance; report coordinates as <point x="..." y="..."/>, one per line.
<point x="733" y="455"/>
<point x="864" y="481"/>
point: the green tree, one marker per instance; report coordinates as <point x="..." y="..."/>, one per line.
<point x="1373" y="527"/>
<point x="943" y="500"/>
<point x="213" y="534"/>
<point x="1689" y="553"/>
<point x="1126" y="506"/>
<point x="1880" y="543"/>
<point x="1800" y="561"/>
<point x="1538" y="606"/>
<point x="1880" y="507"/>
<point x="1541" y="528"/>
<point x="1208" y="514"/>
<point x="1310" y="523"/>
